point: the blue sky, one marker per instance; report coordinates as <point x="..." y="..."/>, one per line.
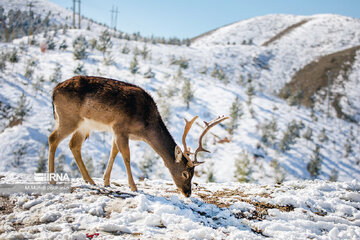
<point x="189" y="18"/>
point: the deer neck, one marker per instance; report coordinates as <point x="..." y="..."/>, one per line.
<point x="163" y="143"/>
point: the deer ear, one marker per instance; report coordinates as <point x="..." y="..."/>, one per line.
<point x="178" y="154"/>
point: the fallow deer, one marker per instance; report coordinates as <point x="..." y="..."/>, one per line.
<point x="82" y="104"/>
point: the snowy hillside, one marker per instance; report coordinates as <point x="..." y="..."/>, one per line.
<point x="277" y="46"/>
<point x="293" y="210"/>
<point x="58" y="14"/>
<point x="254" y="31"/>
<point x="270" y="140"/>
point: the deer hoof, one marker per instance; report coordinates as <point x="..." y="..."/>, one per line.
<point x="90" y="182"/>
<point x="106" y="183"/>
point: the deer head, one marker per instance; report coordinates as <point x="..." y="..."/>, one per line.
<point x="185" y="165"/>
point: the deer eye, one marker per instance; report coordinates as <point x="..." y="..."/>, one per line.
<point x="185" y="174"/>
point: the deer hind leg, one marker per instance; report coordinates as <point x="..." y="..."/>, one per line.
<point x="122" y="143"/>
<point x="75" y="145"/>
<point x="54" y="139"/>
<point x="113" y="153"/>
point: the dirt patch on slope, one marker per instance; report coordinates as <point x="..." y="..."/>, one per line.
<point x="313" y="77"/>
<point x="284" y="32"/>
<point x="6" y="206"/>
<point x="225" y="198"/>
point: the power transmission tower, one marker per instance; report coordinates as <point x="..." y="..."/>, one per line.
<point x="74" y="3"/>
<point x="30" y="5"/>
<point x="79" y="1"/>
<point x="114" y="14"/>
<point x="74" y="13"/>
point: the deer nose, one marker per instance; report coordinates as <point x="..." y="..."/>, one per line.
<point x="187" y="193"/>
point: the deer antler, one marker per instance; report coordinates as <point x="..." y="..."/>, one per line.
<point x="186" y="130"/>
<point x="200" y="148"/>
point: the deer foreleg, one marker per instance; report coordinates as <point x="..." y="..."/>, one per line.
<point x="54" y="139"/>
<point x="75" y="145"/>
<point x="113" y="153"/>
<point x="122" y="143"/>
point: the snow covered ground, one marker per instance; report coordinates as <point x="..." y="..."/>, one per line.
<point x="293" y="210"/>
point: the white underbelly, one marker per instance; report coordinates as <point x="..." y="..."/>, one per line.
<point x="88" y="125"/>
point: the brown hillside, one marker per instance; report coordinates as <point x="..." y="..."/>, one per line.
<point x="313" y="77"/>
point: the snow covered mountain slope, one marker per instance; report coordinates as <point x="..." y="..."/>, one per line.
<point x="293" y="210"/>
<point x="271" y="141"/>
<point x="253" y="31"/>
<point x="316" y="36"/>
<point x="281" y="46"/>
<point x="58" y="15"/>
